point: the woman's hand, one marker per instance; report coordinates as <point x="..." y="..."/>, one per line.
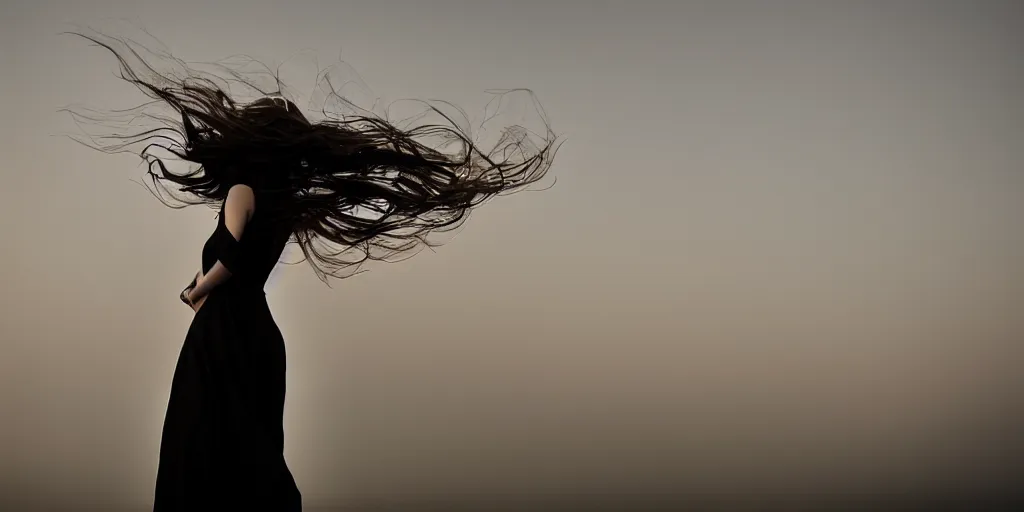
<point x="196" y="302"/>
<point x="188" y="294"/>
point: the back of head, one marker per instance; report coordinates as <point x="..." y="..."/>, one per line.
<point x="275" y="112"/>
<point x="264" y="146"/>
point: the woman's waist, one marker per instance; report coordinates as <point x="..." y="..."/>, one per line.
<point x="237" y="286"/>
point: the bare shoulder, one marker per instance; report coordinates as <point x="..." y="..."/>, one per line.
<point x="240" y="202"/>
<point x="241" y="192"/>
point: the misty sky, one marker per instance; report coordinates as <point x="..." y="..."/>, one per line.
<point x="783" y="253"/>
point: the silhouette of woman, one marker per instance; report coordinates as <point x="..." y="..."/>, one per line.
<point x="346" y="190"/>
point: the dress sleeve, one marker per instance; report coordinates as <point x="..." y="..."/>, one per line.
<point x="228" y="250"/>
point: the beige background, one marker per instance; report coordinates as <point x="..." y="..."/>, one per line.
<point x="784" y="253"/>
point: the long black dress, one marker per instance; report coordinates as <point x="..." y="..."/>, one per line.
<point x="222" y="446"/>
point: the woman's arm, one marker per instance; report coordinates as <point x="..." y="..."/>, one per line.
<point x="238" y="209"/>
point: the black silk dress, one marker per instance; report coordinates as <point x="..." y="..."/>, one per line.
<point x="222" y="446"/>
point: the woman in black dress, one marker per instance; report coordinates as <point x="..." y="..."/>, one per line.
<point x="346" y="190"/>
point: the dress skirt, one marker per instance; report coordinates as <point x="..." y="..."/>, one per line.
<point x="222" y="446"/>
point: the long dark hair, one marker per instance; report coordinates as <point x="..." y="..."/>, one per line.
<point x="352" y="187"/>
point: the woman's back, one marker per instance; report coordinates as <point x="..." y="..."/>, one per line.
<point x="257" y="253"/>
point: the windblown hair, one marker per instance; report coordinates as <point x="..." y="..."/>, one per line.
<point x="352" y="187"/>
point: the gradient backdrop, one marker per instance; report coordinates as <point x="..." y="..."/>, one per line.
<point x="784" y="254"/>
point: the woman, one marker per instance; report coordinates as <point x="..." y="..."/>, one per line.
<point x="346" y="190"/>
